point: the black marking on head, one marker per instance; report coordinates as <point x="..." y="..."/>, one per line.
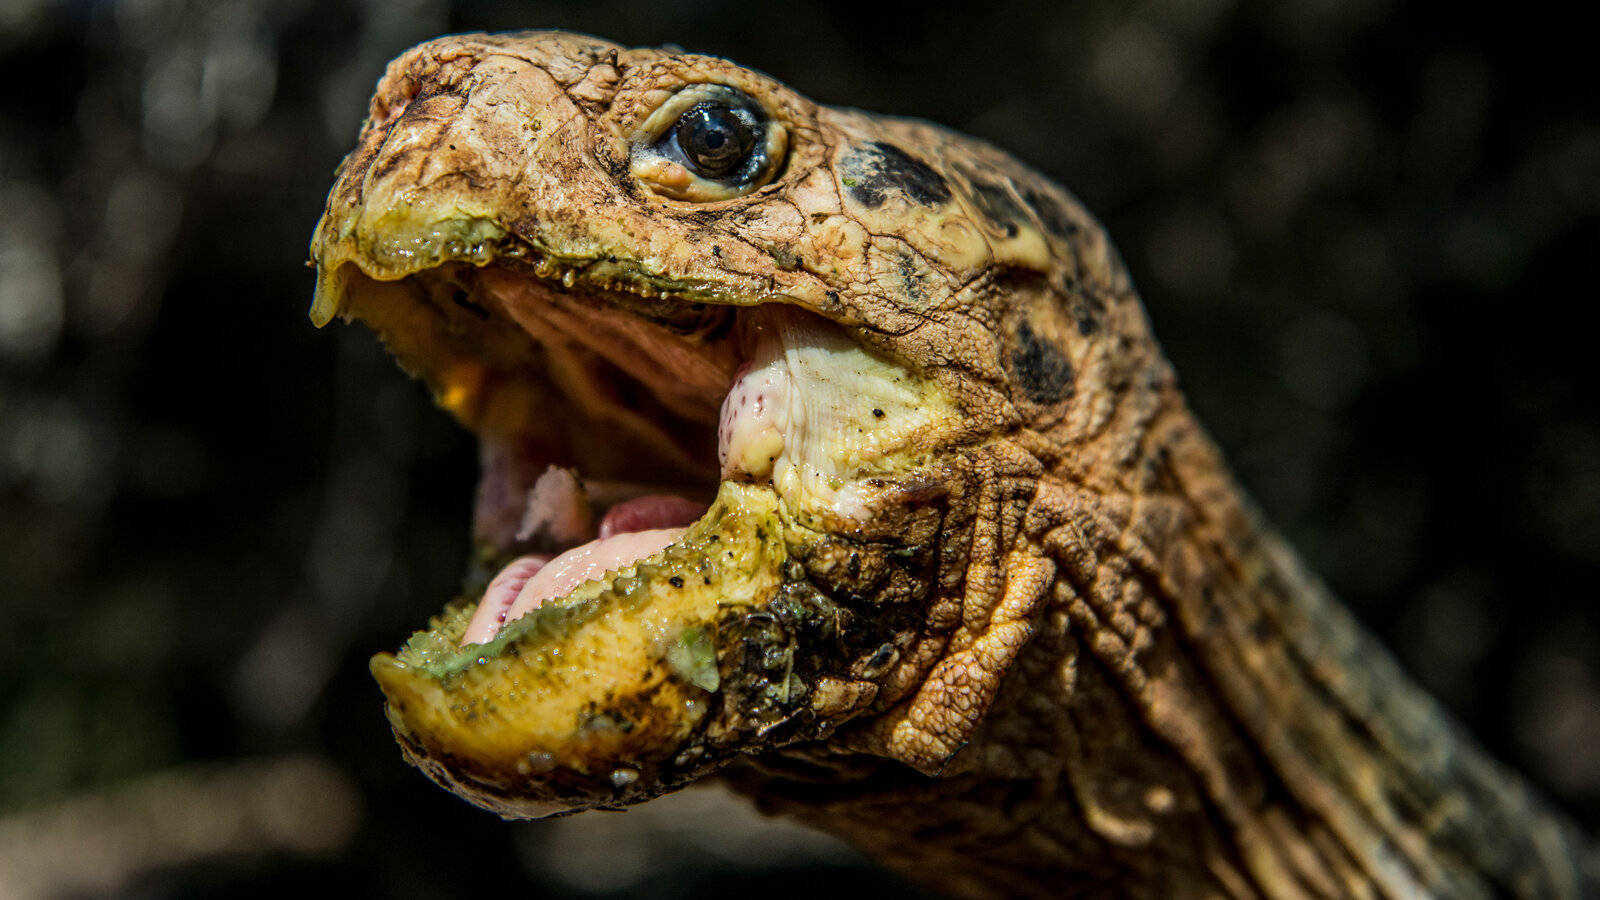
<point x="1088" y="322"/>
<point x="995" y="201"/>
<point x="871" y="172"/>
<point x="1042" y="369"/>
<point x="1051" y="213"/>
<point x="1087" y="307"/>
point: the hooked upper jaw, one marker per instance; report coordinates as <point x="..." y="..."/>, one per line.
<point x="493" y="226"/>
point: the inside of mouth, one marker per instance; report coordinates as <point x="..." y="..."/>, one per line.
<point x="604" y="420"/>
<point x="559" y="513"/>
<point x="612" y="415"/>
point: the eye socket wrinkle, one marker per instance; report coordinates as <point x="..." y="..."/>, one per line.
<point x="708" y="142"/>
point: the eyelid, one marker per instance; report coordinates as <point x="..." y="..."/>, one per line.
<point x="667" y="176"/>
<point x="666" y="115"/>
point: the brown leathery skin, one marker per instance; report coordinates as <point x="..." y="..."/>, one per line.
<point x="1063" y="656"/>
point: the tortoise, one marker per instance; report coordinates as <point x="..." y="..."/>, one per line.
<point x="832" y="453"/>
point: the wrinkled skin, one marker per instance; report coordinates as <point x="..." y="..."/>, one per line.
<point x="1037" y="645"/>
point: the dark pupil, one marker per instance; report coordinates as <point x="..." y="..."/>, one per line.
<point x="715" y="140"/>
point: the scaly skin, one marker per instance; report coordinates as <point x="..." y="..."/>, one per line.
<point x="1055" y="652"/>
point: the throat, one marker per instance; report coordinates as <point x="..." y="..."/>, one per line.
<point x="1193" y="716"/>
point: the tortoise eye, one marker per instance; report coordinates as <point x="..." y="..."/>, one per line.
<point x="708" y="142"/>
<point x="717" y="141"/>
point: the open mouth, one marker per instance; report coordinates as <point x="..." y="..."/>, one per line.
<point x="651" y="459"/>
<point x="608" y="418"/>
<point x="714" y="483"/>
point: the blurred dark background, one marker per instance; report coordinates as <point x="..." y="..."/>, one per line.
<point x="1365" y="230"/>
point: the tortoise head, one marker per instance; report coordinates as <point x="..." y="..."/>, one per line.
<point x="636" y="273"/>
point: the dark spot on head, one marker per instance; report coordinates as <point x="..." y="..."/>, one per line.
<point x="996" y="202"/>
<point x="1052" y="214"/>
<point x="1087" y="323"/>
<point x="1087" y="307"/>
<point x="874" y="171"/>
<point x="1042" y="369"/>
<point x="877" y="413"/>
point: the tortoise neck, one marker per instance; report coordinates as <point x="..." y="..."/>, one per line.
<point x="1194" y="715"/>
<point x="1327" y="766"/>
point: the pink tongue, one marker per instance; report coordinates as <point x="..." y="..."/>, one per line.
<point x="630" y="531"/>
<point x="652" y="511"/>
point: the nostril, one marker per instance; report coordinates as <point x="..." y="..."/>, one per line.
<point x="419" y="75"/>
<point x="387" y="106"/>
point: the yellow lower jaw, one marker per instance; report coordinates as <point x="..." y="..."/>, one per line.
<point x="571" y="704"/>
